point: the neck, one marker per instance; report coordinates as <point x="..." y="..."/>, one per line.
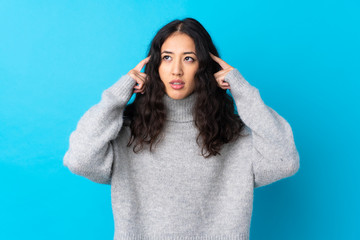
<point x="179" y="110"/>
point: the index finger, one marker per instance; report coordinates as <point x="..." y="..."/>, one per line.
<point x="221" y="62"/>
<point x="142" y="63"/>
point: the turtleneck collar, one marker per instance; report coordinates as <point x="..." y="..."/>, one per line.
<point x="179" y="110"/>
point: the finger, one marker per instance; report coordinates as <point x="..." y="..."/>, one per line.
<point x="142" y="75"/>
<point x="139" y="87"/>
<point x="140" y="80"/>
<point x="142" y="63"/>
<point x="223" y="87"/>
<point x="139" y="91"/>
<point x="222" y="73"/>
<point x="221" y="62"/>
<point x="132" y="75"/>
<point x="136" y="75"/>
<point x="222" y="83"/>
<point x="225" y="83"/>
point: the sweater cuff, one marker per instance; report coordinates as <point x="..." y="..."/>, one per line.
<point x="236" y="80"/>
<point x="123" y="87"/>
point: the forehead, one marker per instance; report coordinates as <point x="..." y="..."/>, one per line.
<point x="178" y="42"/>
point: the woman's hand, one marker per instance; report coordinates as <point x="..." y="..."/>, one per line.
<point x="220" y="75"/>
<point x="138" y="76"/>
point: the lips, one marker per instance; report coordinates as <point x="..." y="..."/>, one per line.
<point x="177" y="81"/>
<point x="177" y="84"/>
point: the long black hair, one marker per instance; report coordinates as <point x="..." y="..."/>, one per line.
<point x="214" y="114"/>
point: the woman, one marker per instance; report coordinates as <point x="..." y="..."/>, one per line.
<point x="181" y="162"/>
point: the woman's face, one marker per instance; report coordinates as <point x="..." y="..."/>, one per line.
<point x="178" y="65"/>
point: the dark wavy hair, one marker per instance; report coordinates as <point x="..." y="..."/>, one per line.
<point x="214" y="114"/>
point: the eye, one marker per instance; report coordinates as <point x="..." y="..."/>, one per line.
<point x="164" y="57"/>
<point x="192" y="59"/>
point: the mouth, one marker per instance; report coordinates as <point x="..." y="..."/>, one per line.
<point x="177" y="84"/>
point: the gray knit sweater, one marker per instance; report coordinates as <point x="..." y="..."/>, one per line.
<point x="174" y="192"/>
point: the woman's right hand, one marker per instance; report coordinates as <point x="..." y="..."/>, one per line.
<point x="138" y="76"/>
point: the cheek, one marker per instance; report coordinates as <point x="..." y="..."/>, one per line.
<point x="193" y="72"/>
<point x="193" y="77"/>
<point x="162" y="70"/>
<point x="193" y="82"/>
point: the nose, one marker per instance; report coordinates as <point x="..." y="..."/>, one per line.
<point x="177" y="68"/>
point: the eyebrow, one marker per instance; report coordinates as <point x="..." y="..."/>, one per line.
<point x="183" y="52"/>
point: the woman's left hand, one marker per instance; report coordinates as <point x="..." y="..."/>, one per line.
<point x="220" y="75"/>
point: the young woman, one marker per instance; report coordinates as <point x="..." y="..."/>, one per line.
<point x="182" y="163"/>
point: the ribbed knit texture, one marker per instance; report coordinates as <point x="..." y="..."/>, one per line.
<point x="174" y="192"/>
<point x="179" y="110"/>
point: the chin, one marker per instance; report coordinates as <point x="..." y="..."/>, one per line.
<point x="177" y="96"/>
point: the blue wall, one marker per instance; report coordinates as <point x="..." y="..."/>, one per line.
<point x="57" y="57"/>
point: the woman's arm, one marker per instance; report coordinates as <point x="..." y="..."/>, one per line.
<point x="91" y="148"/>
<point x="274" y="152"/>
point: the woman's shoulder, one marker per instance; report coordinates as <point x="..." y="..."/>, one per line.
<point x="243" y="141"/>
<point x="124" y="132"/>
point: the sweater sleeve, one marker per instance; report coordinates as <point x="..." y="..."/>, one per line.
<point x="91" y="147"/>
<point x="274" y="152"/>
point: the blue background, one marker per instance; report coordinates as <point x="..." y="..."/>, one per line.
<point x="56" y="58"/>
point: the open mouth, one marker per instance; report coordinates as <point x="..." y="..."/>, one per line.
<point x="177" y="84"/>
